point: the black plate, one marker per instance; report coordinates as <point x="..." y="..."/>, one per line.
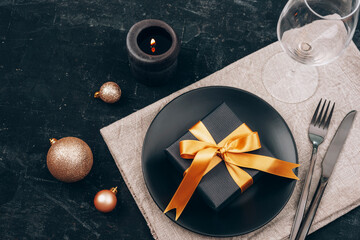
<point x="258" y="204"/>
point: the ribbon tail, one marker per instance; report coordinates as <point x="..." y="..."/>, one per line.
<point x="263" y="163"/>
<point x="214" y="161"/>
<point x="190" y="181"/>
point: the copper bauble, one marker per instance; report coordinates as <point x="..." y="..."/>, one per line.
<point x="105" y="200"/>
<point x="69" y="159"/>
<point x="109" y="92"/>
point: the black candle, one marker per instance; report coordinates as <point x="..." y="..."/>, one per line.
<point x="153" y="48"/>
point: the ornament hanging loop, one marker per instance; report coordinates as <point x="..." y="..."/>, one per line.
<point x="52" y="141"/>
<point x="114" y="190"/>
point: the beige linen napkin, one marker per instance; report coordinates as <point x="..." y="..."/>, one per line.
<point x="338" y="81"/>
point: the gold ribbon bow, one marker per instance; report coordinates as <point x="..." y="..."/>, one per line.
<point x="232" y="150"/>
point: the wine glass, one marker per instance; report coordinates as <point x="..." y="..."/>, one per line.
<point x="312" y="33"/>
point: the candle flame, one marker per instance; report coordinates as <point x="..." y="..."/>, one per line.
<point x="152" y="42"/>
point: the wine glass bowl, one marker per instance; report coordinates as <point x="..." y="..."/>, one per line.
<point x="311" y="33"/>
<point x="316" y="32"/>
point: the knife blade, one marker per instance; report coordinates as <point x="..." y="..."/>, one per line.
<point x="337" y="144"/>
<point x="327" y="167"/>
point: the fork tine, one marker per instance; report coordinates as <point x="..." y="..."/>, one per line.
<point x="329" y="118"/>
<point x="315" y="113"/>
<point x="323" y="120"/>
<point x="320" y="114"/>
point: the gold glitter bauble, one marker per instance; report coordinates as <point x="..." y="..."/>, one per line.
<point x="69" y="159"/>
<point x="109" y="92"/>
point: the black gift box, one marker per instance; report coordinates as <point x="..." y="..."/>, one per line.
<point x="217" y="187"/>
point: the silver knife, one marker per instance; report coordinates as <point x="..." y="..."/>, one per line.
<point x="327" y="167"/>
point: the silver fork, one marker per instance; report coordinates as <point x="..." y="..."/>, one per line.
<point x="317" y="131"/>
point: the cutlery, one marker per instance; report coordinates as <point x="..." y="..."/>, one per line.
<point x="317" y="131"/>
<point x="327" y="167"/>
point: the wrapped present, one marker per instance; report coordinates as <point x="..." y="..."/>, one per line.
<point x="227" y="159"/>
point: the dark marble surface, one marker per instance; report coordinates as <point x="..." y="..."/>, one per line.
<point x="55" y="54"/>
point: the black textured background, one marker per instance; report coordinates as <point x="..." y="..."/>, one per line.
<point x="55" y="54"/>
